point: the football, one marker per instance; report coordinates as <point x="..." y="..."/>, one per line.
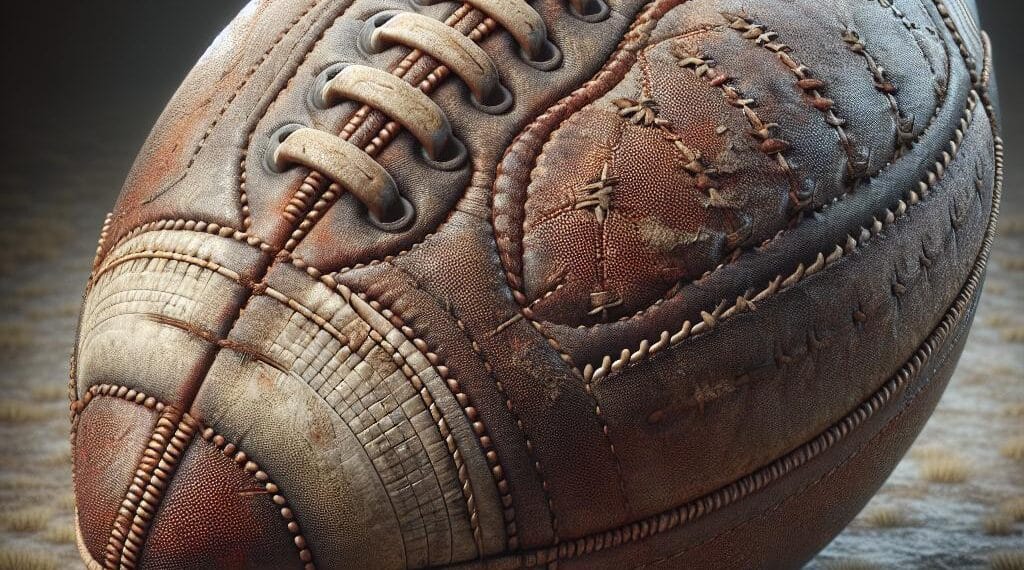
<point x="499" y="284"/>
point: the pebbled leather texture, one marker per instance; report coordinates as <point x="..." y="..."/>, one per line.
<point x="686" y="305"/>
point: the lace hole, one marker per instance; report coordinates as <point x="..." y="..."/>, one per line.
<point x="366" y="43"/>
<point x="276" y="139"/>
<point x="499" y="101"/>
<point x="549" y="59"/>
<point x="400" y="218"/>
<point x="452" y="157"/>
<point x="316" y="92"/>
<point x="593" y="11"/>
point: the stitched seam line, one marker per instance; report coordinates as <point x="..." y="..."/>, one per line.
<point x="466" y="404"/>
<point x="316" y="181"/>
<point x="748" y="301"/>
<point x="912" y="367"/>
<point x="184" y="431"/>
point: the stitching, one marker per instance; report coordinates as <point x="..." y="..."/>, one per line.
<point x="747" y="302"/>
<point x="961" y="306"/>
<point x="442" y="427"/>
<point x="904" y="126"/>
<point x="387" y="132"/>
<point x="243" y="196"/>
<point x="243" y="199"/>
<point x="760" y="34"/>
<point x="965" y="53"/>
<point x="104" y="233"/>
<point x="756" y="481"/>
<point x="173" y="449"/>
<point x="589" y="388"/>
<point x="509" y="249"/>
<point x="706" y="69"/>
<point x="464" y="401"/>
<point x="171" y="436"/>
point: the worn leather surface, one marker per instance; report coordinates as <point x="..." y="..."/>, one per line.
<point x="686" y="305"/>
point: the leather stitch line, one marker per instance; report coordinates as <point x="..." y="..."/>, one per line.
<point x="384" y="136"/>
<point x="180" y="441"/>
<point x="912" y="367"/>
<point x="465" y="403"/>
<point x="813" y="88"/>
<point x="747" y="302"/>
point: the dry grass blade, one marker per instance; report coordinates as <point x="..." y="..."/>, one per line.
<point x="1013" y="449"/>
<point x="20" y="559"/>
<point x="887" y="517"/>
<point x="31" y="519"/>
<point x="21" y="412"/>
<point x="998" y="525"/>
<point x="1007" y="560"/>
<point x="1014" y="508"/>
<point x="61" y="534"/>
<point x="947" y="469"/>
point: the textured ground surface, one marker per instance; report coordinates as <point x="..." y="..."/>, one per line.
<point x="955" y="501"/>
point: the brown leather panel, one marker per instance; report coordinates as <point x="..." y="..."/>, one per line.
<point x="214" y="514"/>
<point x="111" y="436"/>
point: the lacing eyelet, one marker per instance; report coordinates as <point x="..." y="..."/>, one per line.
<point x="453" y="157"/>
<point x="316" y="92"/>
<point x="405" y="215"/>
<point x="371" y="25"/>
<point x="499" y="101"/>
<point x="550" y="57"/>
<point x="594" y="11"/>
<point x="276" y="139"/>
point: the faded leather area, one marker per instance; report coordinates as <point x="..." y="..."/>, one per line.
<point x="706" y="145"/>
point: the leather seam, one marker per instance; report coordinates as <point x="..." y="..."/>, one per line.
<point x="747" y="302"/>
<point x="192" y="426"/>
<point x="711" y="502"/>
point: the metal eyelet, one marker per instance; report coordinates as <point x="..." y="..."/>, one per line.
<point x="550" y="54"/>
<point x="276" y="139"/>
<point x="499" y="101"/>
<point x="453" y="156"/>
<point x="594" y="11"/>
<point x="316" y="91"/>
<point x="371" y="25"/>
<point x="402" y="221"/>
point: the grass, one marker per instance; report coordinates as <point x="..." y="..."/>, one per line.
<point x="1013" y="449"/>
<point x="59" y="459"/>
<point x="21" y="412"/>
<point x="21" y="559"/>
<point x="1013" y="334"/>
<point x="1007" y="560"/>
<point x="999" y="321"/>
<point x="15" y="338"/>
<point x="32" y="519"/>
<point x="946" y="469"/>
<point x="49" y="392"/>
<point x="1014" y="508"/>
<point x="60" y="534"/>
<point x="997" y="525"/>
<point x="66" y="502"/>
<point x="887" y="517"/>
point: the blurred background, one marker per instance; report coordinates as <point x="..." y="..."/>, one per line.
<point x="84" y="81"/>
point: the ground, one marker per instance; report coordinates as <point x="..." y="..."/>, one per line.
<point x="956" y="500"/>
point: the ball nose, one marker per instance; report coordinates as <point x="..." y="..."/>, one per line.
<point x="155" y="489"/>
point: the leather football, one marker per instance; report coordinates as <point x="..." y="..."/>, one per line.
<point x="564" y="284"/>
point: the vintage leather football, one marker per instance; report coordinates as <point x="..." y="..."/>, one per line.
<point x="560" y="284"/>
